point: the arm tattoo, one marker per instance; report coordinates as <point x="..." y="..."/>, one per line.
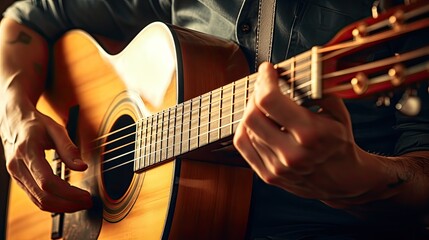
<point x="22" y="38"/>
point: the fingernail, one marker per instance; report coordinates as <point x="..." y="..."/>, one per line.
<point x="78" y="161"/>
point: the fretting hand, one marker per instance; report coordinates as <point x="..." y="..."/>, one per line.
<point x="311" y="154"/>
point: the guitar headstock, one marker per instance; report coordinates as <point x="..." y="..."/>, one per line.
<point x="377" y="55"/>
<point x="369" y="57"/>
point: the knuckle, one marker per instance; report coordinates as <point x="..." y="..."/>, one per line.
<point x="248" y="121"/>
<point x="308" y="137"/>
<point x="279" y="171"/>
<point x="294" y="161"/>
<point x="270" y="179"/>
<point x="266" y="100"/>
<point x="237" y="141"/>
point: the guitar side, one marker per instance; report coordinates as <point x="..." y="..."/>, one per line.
<point x="181" y="198"/>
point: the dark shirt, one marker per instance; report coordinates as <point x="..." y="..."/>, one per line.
<point x="299" y="25"/>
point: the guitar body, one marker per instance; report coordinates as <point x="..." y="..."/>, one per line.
<point x="185" y="197"/>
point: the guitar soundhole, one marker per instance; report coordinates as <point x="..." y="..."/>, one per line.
<point x="118" y="158"/>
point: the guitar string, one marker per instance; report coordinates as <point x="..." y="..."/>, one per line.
<point x="187" y="115"/>
<point x="190" y="121"/>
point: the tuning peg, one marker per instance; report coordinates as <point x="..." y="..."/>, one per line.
<point x="410" y="103"/>
<point x="375" y="9"/>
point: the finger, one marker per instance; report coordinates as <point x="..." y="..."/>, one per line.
<point x="44" y="200"/>
<point x="270" y="100"/>
<point x="287" y="150"/>
<point x="43" y="175"/>
<point x="243" y="144"/>
<point x="288" y="181"/>
<point x="67" y="151"/>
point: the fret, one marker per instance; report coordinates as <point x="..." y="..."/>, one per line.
<point x="158" y="133"/>
<point x="154" y="148"/>
<point x="246" y="91"/>
<point x="204" y="119"/>
<point x="214" y="123"/>
<point x="194" y="123"/>
<point x="164" y="135"/>
<point x="137" y="146"/>
<point x="238" y="102"/>
<point x="152" y="140"/>
<point x="171" y="135"/>
<point x="147" y="141"/>
<point x="178" y="130"/>
<point x="226" y="112"/>
<point x="143" y="123"/>
<point x="186" y="126"/>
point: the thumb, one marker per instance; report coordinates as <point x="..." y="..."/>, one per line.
<point x="66" y="149"/>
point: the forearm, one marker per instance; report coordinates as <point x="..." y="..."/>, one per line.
<point x="23" y="66"/>
<point x="23" y="62"/>
<point x="400" y="187"/>
<point x="412" y="179"/>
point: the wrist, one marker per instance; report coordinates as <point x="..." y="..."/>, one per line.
<point x="14" y="107"/>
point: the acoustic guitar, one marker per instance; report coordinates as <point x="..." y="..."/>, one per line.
<point x="155" y="123"/>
